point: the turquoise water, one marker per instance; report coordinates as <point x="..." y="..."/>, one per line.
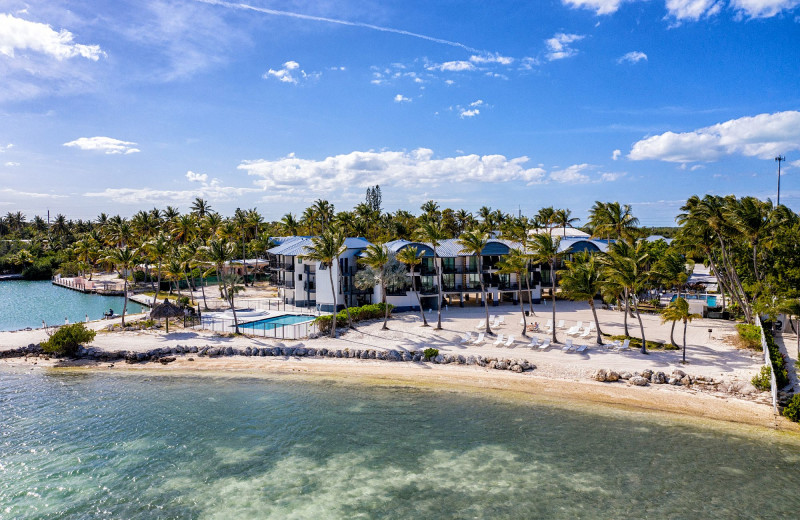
<point x="711" y="300"/>
<point x="26" y="304"/>
<point x="79" y="445"/>
<point x="278" y="321"/>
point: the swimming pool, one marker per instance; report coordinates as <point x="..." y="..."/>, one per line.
<point x="710" y="299"/>
<point x="277" y="321"/>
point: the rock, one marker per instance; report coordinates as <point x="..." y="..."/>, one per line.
<point x="637" y="381"/>
<point x="481" y="362"/>
<point x="516" y="368"/>
<point x="501" y="365"/>
<point x="647" y="373"/>
<point x="678" y="373"/>
<point x="193" y="349"/>
<point x="165" y="360"/>
<point x="658" y="378"/>
<point x="141" y="356"/>
<point x="286" y="351"/>
<point x="275" y="351"/>
<point x="674" y="381"/>
<point x="612" y="376"/>
<point x="600" y="375"/>
<point x="339" y="354"/>
<point x="323" y="352"/>
<point x="382" y="355"/>
<point x="407" y="356"/>
<point x="248" y="351"/>
<point x="491" y="364"/>
<point x="686" y="381"/>
<point x="301" y="352"/>
<point x="364" y="355"/>
<point x="394" y="355"/>
<point x="438" y="359"/>
<point x="471" y="360"/>
<point x="461" y="360"/>
<point x="312" y="352"/>
<point x="373" y="354"/>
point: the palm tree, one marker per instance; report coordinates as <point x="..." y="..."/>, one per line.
<point x="412" y="257"/>
<point x="612" y="221"/>
<point x="431" y="231"/>
<point x="545" y="250"/>
<point x="519" y="231"/>
<point x="679" y="311"/>
<point x="201" y="207"/>
<point x="158" y="249"/>
<point x="218" y="252"/>
<point x="326" y="249"/>
<point x="564" y="218"/>
<point x="516" y="263"/>
<point x="581" y="280"/>
<point x="378" y="258"/>
<point x="625" y="267"/>
<point x="671" y="270"/>
<point x="290" y="225"/>
<point x="124" y="258"/>
<point x="473" y="243"/>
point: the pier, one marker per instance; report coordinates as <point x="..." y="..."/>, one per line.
<point x="81" y="284"/>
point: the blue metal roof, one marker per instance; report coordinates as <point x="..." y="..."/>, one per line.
<point x="396" y="245"/>
<point x="295" y="246"/>
<point x="582" y="244"/>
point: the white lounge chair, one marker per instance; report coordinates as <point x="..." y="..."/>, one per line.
<point x="560" y="324"/>
<point x="495" y="323"/>
<point x="585" y="334"/>
<point x="579" y="325"/>
<point x="479" y="339"/>
<point x="509" y="341"/>
<point x="568" y="346"/>
<point x="626" y="345"/>
<point x="522" y="321"/>
<point x="481" y="324"/>
<point x="582" y="348"/>
<point x="573" y="330"/>
<point x="468" y="337"/>
<point x="501" y="319"/>
<point x="493" y="317"/>
<point x="592" y="327"/>
<point x="545" y="344"/>
<point x="534" y="342"/>
<point x="498" y="341"/>
<point x="549" y="324"/>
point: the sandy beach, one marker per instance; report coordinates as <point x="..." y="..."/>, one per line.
<point x="559" y="376"/>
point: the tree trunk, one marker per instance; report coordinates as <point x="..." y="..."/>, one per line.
<point x="684" y="341"/>
<point x="233" y="309"/>
<point x="522" y="310"/>
<point x="553" y="296"/>
<point x="333" y="290"/>
<point x="419" y="300"/>
<point x="483" y="294"/>
<point x="203" y="289"/>
<point x="625" y="319"/>
<point x="125" y="300"/>
<point x="672" y="330"/>
<point x="596" y="322"/>
<point x="528" y="287"/>
<point x="346" y="305"/>
<point x="641" y="326"/>
<point x="439" y="291"/>
<point x="385" y="306"/>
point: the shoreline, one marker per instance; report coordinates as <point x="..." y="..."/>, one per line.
<point x="655" y="400"/>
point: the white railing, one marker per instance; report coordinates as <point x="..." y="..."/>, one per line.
<point x="261" y="330"/>
<point x="773" y="383"/>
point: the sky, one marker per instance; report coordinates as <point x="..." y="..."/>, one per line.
<point x="115" y="106"/>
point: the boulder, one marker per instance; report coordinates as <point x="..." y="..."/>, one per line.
<point x="600" y="375"/>
<point x="193" y="349"/>
<point x="516" y="368"/>
<point x="312" y="352"/>
<point x="407" y="356"/>
<point x="625" y="375"/>
<point x="248" y="351"/>
<point x="658" y="378"/>
<point x="372" y="354"/>
<point x="229" y="351"/>
<point x="674" y="381"/>
<point x="417" y="357"/>
<point x="461" y="360"/>
<point x="165" y="360"/>
<point x="686" y="380"/>
<point x="300" y="352"/>
<point x="364" y="355"/>
<point x="647" y="373"/>
<point x="680" y="374"/>
<point x="491" y="364"/>
<point x="438" y="359"/>
<point x="612" y="376"/>
<point x="339" y="354"/>
<point x="471" y="360"/>
<point x="637" y="381"/>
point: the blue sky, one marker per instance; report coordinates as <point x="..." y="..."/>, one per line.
<point x="114" y="106"/>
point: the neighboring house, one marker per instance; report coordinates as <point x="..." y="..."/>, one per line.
<point x="248" y="267"/>
<point x="306" y="283"/>
<point x="461" y="281"/>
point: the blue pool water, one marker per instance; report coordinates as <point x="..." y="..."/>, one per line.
<point x="278" y="321"/>
<point x="711" y="300"/>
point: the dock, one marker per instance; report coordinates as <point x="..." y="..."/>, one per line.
<point x="80" y="284"/>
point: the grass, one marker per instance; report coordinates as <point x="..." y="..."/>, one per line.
<point x="637" y="342"/>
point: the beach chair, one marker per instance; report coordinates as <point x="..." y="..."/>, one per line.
<point x="522" y="321"/>
<point x="509" y="341"/>
<point x="467" y="338"/>
<point x="586" y="332"/>
<point x="478" y="340"/>
<point x="549" y="324"/>
<point x="495" y="323"/>
<point x="481" y="324"/>
<point x="592" y="327"/>
<point x="498" y="341"/>
<point x="545" y="344"/>
<point x="493" y="317"/>
<point x="582" y="348"/>
<point x="573" y="330"/>
<point x="626" y="345"/>
<point x="568" y="346"/>
<point x="560" y="324"/>
<point x="534" y="342"/>
<point x="501" y="319"/>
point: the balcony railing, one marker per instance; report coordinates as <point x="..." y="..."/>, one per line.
<point x="287" y="266"/>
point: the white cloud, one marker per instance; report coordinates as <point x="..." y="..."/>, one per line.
<point x="138" y="196"/>
<point x="763" y="8"/>
<point x="599" y="6"/>
<point x="611" y="176"/>
<point x="763" y="136"/>
<point x="632" y="57"/>
<point x="106" y="145"/>
<point x="573" y="174"/>
<point x="528" y="63"/>
<point x="477" y="103"/>
<point x="558" y="47"/>
<point x="11" y="164"/>
<point x="196" y="177"/>
<point x="33" y="195"/>
<point x="491" y="58"/>
<point x="291" y="73"/>
<point x="452" y="66"/>
<point x="464" y="113"/>
<point x="399" y="98"/>
<point x="17" y="34"/>
<point x="9" y="146"/>
<point x="292" y="174"/>
<point x="795" y="163"/>
<point x="615" y="154"/>
<point x="693" y="9"/>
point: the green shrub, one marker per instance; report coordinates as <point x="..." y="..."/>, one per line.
<point x="42" y="269"/>
<point x="749" y="336"/>
<point x="68" y="338"/>
<point x="365" y="312"/>
<point x="637" y="342"/>
<point x="778" y="362"/>
<point x="792" y="410"/>
<point x="761" y="380"/>
<point x="430" y="353"/>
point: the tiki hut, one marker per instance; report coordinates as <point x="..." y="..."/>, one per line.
<point x="166" y="310"/>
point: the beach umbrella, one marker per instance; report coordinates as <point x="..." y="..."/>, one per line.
<point x="166" y="310"/>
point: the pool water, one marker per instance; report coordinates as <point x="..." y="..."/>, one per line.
<point x="277" y="321"/>
<point x="710" y="300"/>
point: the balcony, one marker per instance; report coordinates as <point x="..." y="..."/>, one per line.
<point x="286" y="266"/>
<point x="289" y="284"/>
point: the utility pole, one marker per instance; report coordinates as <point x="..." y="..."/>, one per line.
<point x="780" y="159"/>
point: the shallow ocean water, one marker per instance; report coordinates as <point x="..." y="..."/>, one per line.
<point x="25" y="304"/>
<point x="82" y="444"/>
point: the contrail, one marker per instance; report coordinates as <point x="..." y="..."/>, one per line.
<point x="290" y="14"/>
